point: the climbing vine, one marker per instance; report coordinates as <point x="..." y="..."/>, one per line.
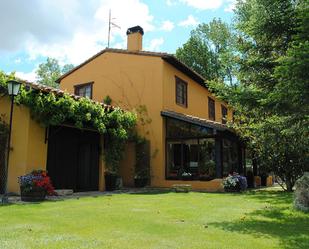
<point x="142" y="166"/>
<point x="51" y="109"/>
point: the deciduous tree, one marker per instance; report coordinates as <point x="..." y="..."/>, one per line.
<point x="50" y="71"/>
<point x="210" y="51"/>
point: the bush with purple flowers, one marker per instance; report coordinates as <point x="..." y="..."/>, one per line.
<point x="36" y="179"/>
<point x="235" y="183"/>
<point x="28" y="181"/>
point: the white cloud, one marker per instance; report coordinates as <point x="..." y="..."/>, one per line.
<point x="190" y="21"/>
<point x="71" y="30"/>
<point x="155" y="44"/>
<point x="230" y="6"/>
<point x="30" y="76"/>
<point x="124" y="17"/>
<point x="203" y="4"/>
<point x="170" y="2"/>
<point x="167" y="25"/>
<point x="17" y="61"/>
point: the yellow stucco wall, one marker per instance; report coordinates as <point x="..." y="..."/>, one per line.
<point x="197" y="96"/>
<point x="133" y="80"/>
<point x="130" y="81"/>
<point x="28" y="148"/>
<point x="197" y="106"/>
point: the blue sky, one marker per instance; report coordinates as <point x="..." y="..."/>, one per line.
<point x="73" y="30"/>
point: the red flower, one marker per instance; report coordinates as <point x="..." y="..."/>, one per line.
<point x="44" y="182"/>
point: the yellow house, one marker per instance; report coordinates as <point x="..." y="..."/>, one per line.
<point x="184" y="122"/>
<point x="72" y="156"/>
<point x="28" y="147"/>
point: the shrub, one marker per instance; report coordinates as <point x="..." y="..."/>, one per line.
<point x="301" y="195"/>
<point x="142" y="152"/>
<point x="235" y="183"/>
<point x="37" y="178"/>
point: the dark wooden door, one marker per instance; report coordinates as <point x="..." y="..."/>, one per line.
<point x="73" y="158"/>
<point x="88" y="162"/>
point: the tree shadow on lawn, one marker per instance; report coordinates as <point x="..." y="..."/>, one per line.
<point x="271" y="196"/>
<point x="289" y="226"/>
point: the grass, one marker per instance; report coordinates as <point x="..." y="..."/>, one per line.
<point x="257" y="219"/>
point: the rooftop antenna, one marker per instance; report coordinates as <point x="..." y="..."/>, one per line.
<point x="110" y="26"/>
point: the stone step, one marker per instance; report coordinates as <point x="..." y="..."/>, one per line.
<point x="182" y="188"/>
<point x="64" y="192"/>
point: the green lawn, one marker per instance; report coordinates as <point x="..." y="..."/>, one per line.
<point x="262" y="219"/>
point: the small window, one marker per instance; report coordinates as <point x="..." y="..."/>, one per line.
<point x="224" y="114"/>
<point x="84" y="90"/>
<point x="211" y="109"/>
<point x="181" y="92"/>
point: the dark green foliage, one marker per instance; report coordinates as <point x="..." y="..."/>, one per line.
<point x="142" y="167"/>
<point x="107" y="100"/>
<point x="66" y="68"/>
<point x="272" y="98"/>
<point x="50" y="71"/>
<point x="282" y="146"/>
<point x="265" y="32"/>
<point x="209" y="51"/>
<point x="120" y="125"/>
<point x="291" y="95"/>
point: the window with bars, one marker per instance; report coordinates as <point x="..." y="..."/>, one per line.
<point x="84" y="90"/>
<point x="211" y="109"/>
<point x="224" y="114"/>
<point x="181" y="92"/>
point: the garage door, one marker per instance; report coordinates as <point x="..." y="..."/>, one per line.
<point x="73" y="158"/>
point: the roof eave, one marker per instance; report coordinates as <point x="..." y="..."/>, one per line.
<point x="194" y="120"/>
<point x="185" y="69"/>
<point x="167" y="57"/>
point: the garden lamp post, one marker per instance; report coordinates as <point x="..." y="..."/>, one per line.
<point x="13" y="90"/>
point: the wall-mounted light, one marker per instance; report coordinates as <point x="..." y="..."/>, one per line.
<point x="13" y="87"/>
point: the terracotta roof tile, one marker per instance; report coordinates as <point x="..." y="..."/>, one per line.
<point x="58" y="92"/>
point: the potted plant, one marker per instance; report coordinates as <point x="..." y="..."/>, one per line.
<point x="235" y="183"/>
<point x="35" y="186"/>
<point x="186" y="176"/>
<point x="112" y="181"/>
<point x="113" y="154"/>
<point x="141" y="178"/>
<point x="142" y="166"/>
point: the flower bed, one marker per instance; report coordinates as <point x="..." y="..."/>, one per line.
<point x="35" y="186"/>
<point x="235" y="183"/>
